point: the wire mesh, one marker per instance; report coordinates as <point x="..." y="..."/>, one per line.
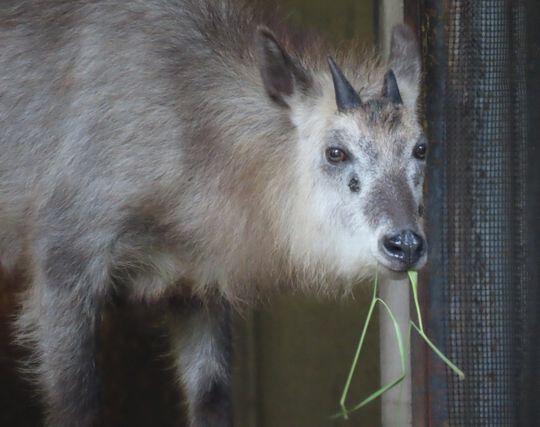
<point x="484" y="213"/>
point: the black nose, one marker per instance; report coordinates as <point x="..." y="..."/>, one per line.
<point x="406" y="247"/>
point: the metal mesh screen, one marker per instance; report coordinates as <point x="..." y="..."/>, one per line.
<point x="480" y="203"/>
<point x="482" y="277"/>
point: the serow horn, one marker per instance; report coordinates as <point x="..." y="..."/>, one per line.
<point x="346" y="97"/>
<point x="390" y="89"/>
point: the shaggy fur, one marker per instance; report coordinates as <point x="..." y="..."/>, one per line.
<point x="177" y="147"/>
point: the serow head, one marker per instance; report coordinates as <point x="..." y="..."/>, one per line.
<point x="360" y="158"/>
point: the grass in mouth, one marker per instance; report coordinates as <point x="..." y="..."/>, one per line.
<point x="418" y="327"/>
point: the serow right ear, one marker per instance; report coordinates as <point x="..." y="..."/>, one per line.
<point x="405" y="63"/>
<point x="282" y="76"/>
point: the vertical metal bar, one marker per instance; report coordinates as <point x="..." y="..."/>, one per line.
<point x="395" y="403"/>
<point x="389" y="14"/>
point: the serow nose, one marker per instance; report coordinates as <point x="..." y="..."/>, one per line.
<point x="406" y="247"/>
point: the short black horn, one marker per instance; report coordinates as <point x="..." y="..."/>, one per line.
<point x="346" y="97"/>
<point x="391" y="89"/>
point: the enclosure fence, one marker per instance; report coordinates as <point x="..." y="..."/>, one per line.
<point x="481" y="111"/>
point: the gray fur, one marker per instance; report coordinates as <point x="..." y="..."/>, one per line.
<point x="160" y="149"/>
<point x="201" y="343"/>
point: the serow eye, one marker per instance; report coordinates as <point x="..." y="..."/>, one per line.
<point x="336" y="155"/>
<point x="420" y="151"/>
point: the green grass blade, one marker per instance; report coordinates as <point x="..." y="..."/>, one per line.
<point x="397" y="331"/>
<point x="439" y="353"/>
<point x="413" y="277"/>
<point x="358" y="351"/>
<point x="373" y="396"/>
<point x="344" y="411"/>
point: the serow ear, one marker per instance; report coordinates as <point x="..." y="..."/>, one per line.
<point x="405" y="63"/>
<point x="282" y="75"/>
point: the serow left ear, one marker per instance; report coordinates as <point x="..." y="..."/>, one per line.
<point x="282" y="76"/>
